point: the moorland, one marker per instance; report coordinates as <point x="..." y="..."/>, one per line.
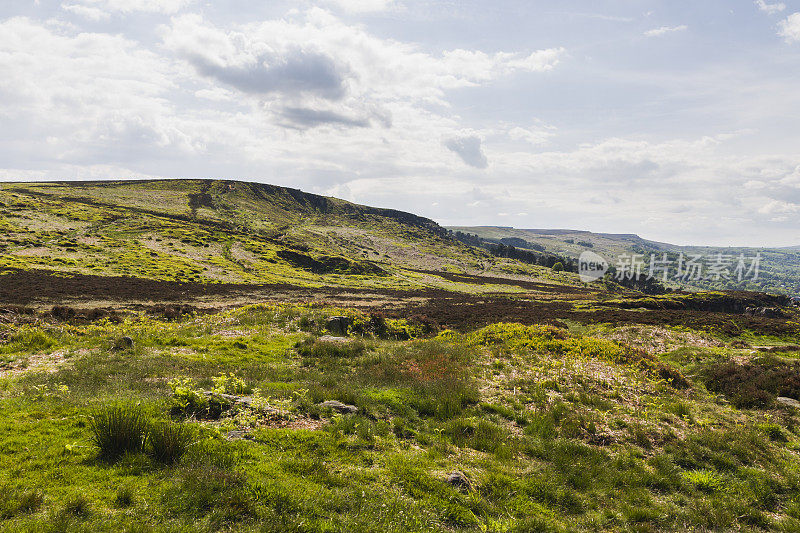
<point x="197" y="355"/>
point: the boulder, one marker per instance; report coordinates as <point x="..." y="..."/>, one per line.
<point x="459" y="480"/>
<point x="331" y="338"/>
<point x="788" y="402"/>
<point x="765" y="312"/>
<point x="339" y="406"/>
<point x="123" y="343"/>
<point x="338" y="325"/>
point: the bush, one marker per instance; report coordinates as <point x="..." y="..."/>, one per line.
<point x="754" y="384"/>
<point x="189" y="402"/>
<point x="118" y="430"/>
<point x="169" y="441"/>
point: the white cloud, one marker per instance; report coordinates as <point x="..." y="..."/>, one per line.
<point x="770" y="8"/>
<point x="789" y="29"/>
<point x="83" y="96"/>
<point x="102" y="9"/>
<point x="664" y="30"/>
<point x="533" y="137"/>
<point x="323" y="71"/>
<point x="88" y="12"/>
<point x="362" y="6"/>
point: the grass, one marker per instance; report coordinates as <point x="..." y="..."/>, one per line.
<point x="118" y="430"/>
<point x="554" y="429"/>
<point x="168" y="441"/>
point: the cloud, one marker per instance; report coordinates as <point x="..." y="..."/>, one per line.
<point x="468" y="149"/>
<point x="664" y="30"/>
<point x="314" y="69"/>
<point x="83" y="97"/>
<point x="102" y="9"/>
<point x="770" y="8"/>
<point x="308" y="118"/>
<point x="362" y="6"/>
<point x="532" y="137"/>
<point x="88" y="12"/>
<point x="789" y="29"/>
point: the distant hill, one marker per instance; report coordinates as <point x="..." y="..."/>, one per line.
<point x="213" y="231"/>
<point x="779" y="267"/>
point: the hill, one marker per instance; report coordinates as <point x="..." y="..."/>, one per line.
<point x="227" y="356"/>
<point x="779" y="267"/>
<point x="226" y="231"/>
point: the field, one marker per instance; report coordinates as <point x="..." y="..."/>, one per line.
<point x="219" y="356"/>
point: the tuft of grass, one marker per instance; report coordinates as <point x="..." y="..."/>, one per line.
<point x="124" y="497"/>
<point x="77" y="506"/>
<point x="330" y="349"/>
<point x="117" y="430"/>
<point x="13" y="503"/>
<point x="703" y="480"/>
<point x="169" y="441"/>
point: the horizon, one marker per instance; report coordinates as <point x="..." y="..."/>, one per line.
<point x="671" y="120"/>
<point x="446" y="226"/>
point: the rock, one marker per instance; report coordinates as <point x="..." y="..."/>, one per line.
<point x="459" y="480"/>
<point x="766" y="312"/>
<point x="338" y="325"/>
<point x="237" y="401"/>
<point x="331" y="338"/>
<point x="783" y="348"/>
<point x="339" y="406"/>
<point x="123" y="343"/>
<point x="236" y="434"/>
<point x="789" y="402"/>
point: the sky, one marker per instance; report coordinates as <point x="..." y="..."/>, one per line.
<point x="678" y="120"/>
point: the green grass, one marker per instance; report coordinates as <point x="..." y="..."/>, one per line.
<point x="556" y="431"/>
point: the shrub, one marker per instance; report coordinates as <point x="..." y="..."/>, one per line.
<point x="119" y="429"/>
<point x="169" y="441"/>
<point x="189" y="402"/>
<point x="754" y="384"/>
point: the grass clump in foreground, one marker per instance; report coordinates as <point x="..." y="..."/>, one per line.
<point x="118" y="430"/>
<point x="554" y="431"/>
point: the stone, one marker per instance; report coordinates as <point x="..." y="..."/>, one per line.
<point x="123" y="343"/>
<point x="339" y="406"/>
<point x="459" y="480"/>
<point x="338" y="325"/>
<point x="789" y="402"/>
<point x="331" y="338"/>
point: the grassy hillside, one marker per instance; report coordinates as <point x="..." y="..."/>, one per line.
<point x="780" y="267"/>
<point x="224" y="231"/>
<point x="505" y="428"/>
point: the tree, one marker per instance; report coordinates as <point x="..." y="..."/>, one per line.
<point x="558" y="267"/>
